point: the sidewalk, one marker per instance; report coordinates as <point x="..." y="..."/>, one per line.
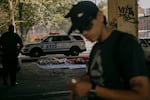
<point x="40" y="84"/>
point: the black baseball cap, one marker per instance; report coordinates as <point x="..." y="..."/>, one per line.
<point x="81" y="15"/>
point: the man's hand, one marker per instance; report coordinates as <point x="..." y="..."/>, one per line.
<point x="82" y="88"/>
<point x="79" y="88"/>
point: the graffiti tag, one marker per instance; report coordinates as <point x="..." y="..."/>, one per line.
<point x="113" y="23"/>
<point x="127" y="13"/>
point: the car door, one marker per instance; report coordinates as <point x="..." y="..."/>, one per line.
<point x="49" y="45"/>
<point x="64" y="43"/>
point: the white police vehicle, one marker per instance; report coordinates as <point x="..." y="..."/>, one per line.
<point x="56" y="44"/>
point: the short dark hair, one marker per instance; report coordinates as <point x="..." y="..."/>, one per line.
<point x="105" y="21"/>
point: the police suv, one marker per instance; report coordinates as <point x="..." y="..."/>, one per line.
<point x="55" y="44"/>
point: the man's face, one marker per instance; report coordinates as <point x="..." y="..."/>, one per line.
<point x="93" y="32"/>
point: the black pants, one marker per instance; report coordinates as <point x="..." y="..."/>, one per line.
<point x="9" y="69"/>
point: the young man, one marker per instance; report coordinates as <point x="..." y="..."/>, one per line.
<point x="11" y="45"/>
<point x="116" y="69"/>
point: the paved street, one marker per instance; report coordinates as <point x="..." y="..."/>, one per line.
<point x="40" y="84"/>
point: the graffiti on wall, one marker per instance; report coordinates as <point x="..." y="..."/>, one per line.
<point x="113" y="23"/>
<point x="127" y="13"/>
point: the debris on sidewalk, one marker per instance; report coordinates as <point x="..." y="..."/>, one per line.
<point x="53" y="63"/>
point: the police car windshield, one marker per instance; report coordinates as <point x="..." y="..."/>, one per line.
<point x="42" y="39"/>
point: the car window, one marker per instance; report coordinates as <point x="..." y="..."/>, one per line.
<point x="65" y="38"/>
<point x="56" y="38"/>
<point x="43" y="38"/>
<point x="144" y="42"/>
<point x="77" y="37"/>
<point x="49" y="39"/>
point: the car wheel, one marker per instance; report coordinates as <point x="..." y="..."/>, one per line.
<point x="74" y="51"/>
<point x="35" y="53"/>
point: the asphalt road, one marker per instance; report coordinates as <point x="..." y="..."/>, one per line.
<point x="40" y="84"/>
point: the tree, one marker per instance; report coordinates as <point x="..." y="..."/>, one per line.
<point x="28" y="13"/>
<point x="7" y="13"/>
<point x="12" y="5"/>
<point x="56" y="12"/>
<point x="4" y="16"/>
<point x="48" y="13"/>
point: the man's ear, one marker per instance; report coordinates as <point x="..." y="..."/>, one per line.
<point x="100" y="17"/>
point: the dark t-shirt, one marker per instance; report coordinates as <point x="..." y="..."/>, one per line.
<point x="116" y="60"/>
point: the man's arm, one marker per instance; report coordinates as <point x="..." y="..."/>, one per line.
<point x="139" y="90"/>
<point x="20" y="45"/>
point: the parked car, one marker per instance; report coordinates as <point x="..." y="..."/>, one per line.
<point x="144" y="42"/>
<point x="56" y="44"/>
